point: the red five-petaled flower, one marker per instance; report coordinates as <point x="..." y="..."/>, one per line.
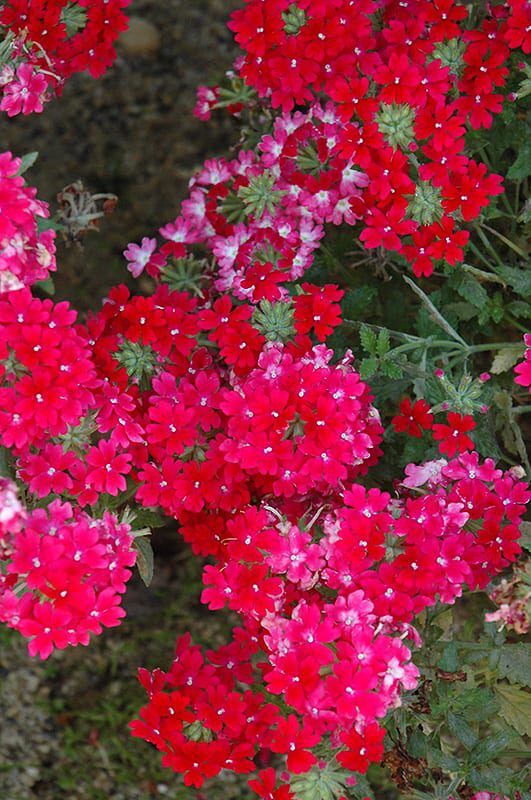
<point x="108" y="468"/>
<point x="362" y="748"/>
<point x="452" y="437"/>
<point x="413" y="419"/>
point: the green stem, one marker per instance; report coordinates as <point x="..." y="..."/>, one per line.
<point x="434" y="312"/>
<point x="479" y="254"/>
<point x="486" y="241"/>
<point x="484" y="276"/>
<point x="398" y="334"/>
<point x="424" y="343"/>
<point x="505" y="240"/>
<point x="521" y="410"/>
<point x="479" y="348"/>
<point x="514" y="322"/>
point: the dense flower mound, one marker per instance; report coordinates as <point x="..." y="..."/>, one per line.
<point x="327" y="597"/>
<point x="44" y="43"/>
<point x="295" y="51"/>
<point x="46" y="374"/>
<point x="196" y="398"/>
<point x="62" y="572"/>
<point x="231" y="419"/>
<point x="217" y="401"/>
<point x="262" y="216"/>
<point x="27" y="255"/>
<point x="384" y="93"/>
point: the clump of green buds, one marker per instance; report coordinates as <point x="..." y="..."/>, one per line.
<point x="294" y="19"/>
<point x="74" y="18"/>
<point x="395" y="122"/>
<point x="139" y="361"/>
<point x="259" y="196"/>
<point x="466" y="397"/>
<point x="425" y="205"/>
<point x="254" y="199"/>
<point x="275" y="320"/>
<point x="78" y="437"/>
<point x="450" y="54"/>
<point x="185" y="275"/>
<point x="196" y="732"/>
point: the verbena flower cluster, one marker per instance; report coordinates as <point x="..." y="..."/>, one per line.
<point x="27" y="255"/>
<point x="388" y="91"/>
<point x="255" y="446"/>
<point x="43" y="43"/>
<point x="217" y="401"/>
<point x="64" y="572"/>
<point x="327" y="599"/>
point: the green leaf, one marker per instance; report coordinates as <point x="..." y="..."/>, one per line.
<point x="414" y="451"/>
<point x="484" y="437"/>
<point x="518" y="279"/>
<point x="506" y="358"/>
<point x="472" y="291"/>
<point x="515" y="707"/>
<point x="382" y="345"/>
<point x="461" y="310"/>
<point x="490" y="748"/>
<point x="391" y="369"/>
<point x="47" y="286"/>
<point x="144" y="518"/>
<point x="476" y="704"/>
<point x="368" y="340"/>
<point x="448" y="661"/>
<point x="28" y="161"/>
<point x="525" y="539"/>
<point x="6" y="466"/>
<point x="462" y="730"/>
<point x="368" y="367"/>
<point x="520" y="309"/>
<point x="320" y="784"/>
<point x="521" y="168"/>
<point x="357" y="302"/>
<point x="418" y="744"/>
<point x="362" y="789"/>
<point x="491" y="779"/>
<point x="144" y="559"/>
<point x="436" y="758"/>
<point x="491" y="631"/>
<point x="514" y="663"/>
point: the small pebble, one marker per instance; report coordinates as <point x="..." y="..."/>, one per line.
<point x="142" y="38"/>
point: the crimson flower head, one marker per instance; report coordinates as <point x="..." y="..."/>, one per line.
<point x="108" y="468"/>
<point x="362" y="749"/>
<point x="453" y="437"/>
<point x="264" y="786"/>
<point x="318" y="309"/>
<point x="413" y="418"/>
<point x="293" y="740"/>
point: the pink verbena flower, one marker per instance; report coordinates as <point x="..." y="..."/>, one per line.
<point x="70" y="572"/>
<point x="26" y="255"/>
<point x="140" y="255"/>
<point x="523" y="370"/>
<point x="26" y="93"/>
